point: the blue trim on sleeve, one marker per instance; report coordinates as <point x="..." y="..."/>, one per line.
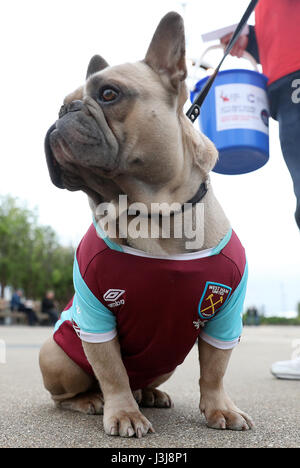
<point x="216" y="250"/>
<point x="88" y="312"/>
<point x="227" y="325"/>
<point x="112" y="245"/>
<point x="65" y="315"/>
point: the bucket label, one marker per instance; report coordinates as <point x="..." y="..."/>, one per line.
<point x="241" y="106"/>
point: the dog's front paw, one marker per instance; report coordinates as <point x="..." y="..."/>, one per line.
<point x="221" y="413"/>
<point x="125" y="422"/>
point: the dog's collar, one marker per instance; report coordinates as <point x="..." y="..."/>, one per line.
<point x="199" y="195"/>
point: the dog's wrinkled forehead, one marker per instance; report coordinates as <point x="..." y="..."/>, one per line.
<point x="131" y="79"/>
<point x="120" y="77"/>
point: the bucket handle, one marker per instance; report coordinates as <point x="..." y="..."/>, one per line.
<point x="245" y="55"/>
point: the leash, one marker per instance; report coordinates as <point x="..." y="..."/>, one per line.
<point x="194" y="111"/>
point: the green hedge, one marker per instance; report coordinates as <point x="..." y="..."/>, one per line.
<point x="279" y="321"/>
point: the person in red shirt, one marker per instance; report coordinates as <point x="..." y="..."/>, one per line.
<point x="274" y="41"/>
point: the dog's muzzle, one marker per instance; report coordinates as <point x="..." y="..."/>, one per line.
<point x="53" y="166"/>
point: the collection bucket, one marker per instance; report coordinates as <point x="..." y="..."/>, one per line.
<point x="235" y="116"/>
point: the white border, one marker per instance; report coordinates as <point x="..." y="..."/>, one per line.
<point x="97" y="337"/>
<point x="218" y="343"/>
<point x="183" y="256"/>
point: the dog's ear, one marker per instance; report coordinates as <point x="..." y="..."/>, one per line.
<point x="97" y="63"/>
<point x="166" y="53"/>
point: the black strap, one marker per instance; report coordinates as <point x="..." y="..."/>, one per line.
<point x="202" y="191"/>
<point x="199" y="195"/>
<point x="194" y="111"/>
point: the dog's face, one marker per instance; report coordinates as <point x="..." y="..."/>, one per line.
<point x="122" y="131"/>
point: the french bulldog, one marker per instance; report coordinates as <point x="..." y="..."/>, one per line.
<point x="124" y="132"/>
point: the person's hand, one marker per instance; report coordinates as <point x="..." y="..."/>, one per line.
<point x="240" y="45"/>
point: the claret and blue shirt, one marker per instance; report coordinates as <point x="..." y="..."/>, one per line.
<point x="157" y="305"/>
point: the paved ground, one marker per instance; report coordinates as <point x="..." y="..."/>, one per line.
<point x="29" y="419"/>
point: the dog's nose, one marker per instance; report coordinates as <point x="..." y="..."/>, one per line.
<point x="73" y="106"/>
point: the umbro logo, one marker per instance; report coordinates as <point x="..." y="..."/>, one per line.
<point x="113" y="296"/>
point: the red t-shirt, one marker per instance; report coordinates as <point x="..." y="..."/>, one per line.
<point x="157" y="306"/>
<point x="277" y="27"/>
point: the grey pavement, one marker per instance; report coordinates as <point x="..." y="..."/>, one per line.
<point x="28" y="418"/>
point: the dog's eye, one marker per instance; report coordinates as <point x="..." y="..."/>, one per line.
<point x="108" y="95"/>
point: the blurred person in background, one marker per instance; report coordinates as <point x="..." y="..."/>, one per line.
<point x="19" y="305"/>
<point x="49" y="307"/>
<point x="274" y="42"/>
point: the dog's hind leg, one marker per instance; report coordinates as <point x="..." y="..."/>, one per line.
<point x="151" y="397"/>
<point x="70" y="387"/>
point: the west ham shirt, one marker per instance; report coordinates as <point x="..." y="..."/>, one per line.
<point x="157" y="305"/>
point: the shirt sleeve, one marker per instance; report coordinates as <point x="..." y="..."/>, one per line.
<point x="95" y="322"/>
<point x="224" y="330"/>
